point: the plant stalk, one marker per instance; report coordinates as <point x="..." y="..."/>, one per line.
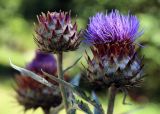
<point x="112" y="96"/>
<point x="60" y="76"/>
<point x="46" y="111"/>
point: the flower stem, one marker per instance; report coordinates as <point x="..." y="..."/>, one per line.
<point x="112" y="96"/>
<point x="60" y="76"/>
<point x="46" y="111"/>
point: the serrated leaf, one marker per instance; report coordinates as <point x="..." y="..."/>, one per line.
<point x="76" y="104"/>
<point x="71" y="100"/>
<point x="31" y="74"/>
<point x="94" y="97"/>
<point x="77" y="91"/>
<point x="72" y="111"/>
<point x="89" y="99"/>
<point x="82" y="106"/>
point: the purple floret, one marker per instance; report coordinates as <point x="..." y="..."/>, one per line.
<point x="112" y="27"/>
<point x="43" y="61"/>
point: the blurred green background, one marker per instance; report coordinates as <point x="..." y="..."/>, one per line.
<point x="16" y="42"/>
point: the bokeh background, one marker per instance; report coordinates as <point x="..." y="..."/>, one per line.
<point x="16" y="42"/>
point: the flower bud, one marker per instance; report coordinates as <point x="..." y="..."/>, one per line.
<point x="56" y="33"/>
<point x="32" y="94"/>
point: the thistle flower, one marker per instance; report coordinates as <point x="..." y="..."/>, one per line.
<point x="32" y="94"/>
<point x="115" y="60"/>
<point x="56" y="33"/>
<point x="112" y="27"/>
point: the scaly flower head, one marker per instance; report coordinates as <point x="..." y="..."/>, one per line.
<point x="55" y="32"/>
<point x="112" y="37"/>
<point x="32" y="94"/>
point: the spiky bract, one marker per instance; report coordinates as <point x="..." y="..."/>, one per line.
<point x="32" y="94"/>
<point x="114" y="61"/>
<point x="56" y="33"/>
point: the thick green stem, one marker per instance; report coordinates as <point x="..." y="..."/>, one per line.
<point x="112" y="96"/>
<point x="60" y="76"/>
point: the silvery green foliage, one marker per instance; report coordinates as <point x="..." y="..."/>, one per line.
<point x="31" y="74"/>
<point x="79" y="92"/>
<point x="76" y="104"/>
<point x="94" y="96"/>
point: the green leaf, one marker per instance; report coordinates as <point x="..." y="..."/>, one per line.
<point x="80" y="105"/>
<point x="77" y="104"/>
<point x="94" y="96"/>
<point x="31" y="74"/>
<point x="77" y="91"/>
<point x="73" y="88"/>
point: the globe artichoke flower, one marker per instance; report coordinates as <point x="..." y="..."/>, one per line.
<point x="56" y="33"/>
<point x="115" y="60"/>
<point x="32" y="94"/>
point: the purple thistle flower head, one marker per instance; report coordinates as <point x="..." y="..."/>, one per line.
<point x="114" y="61"/>
<point x="112" y="27"/>
<point x="43" y="61"/>
<point x="32" y="94"/>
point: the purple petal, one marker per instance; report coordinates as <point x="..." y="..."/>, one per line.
<point x="111" y="27"/>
